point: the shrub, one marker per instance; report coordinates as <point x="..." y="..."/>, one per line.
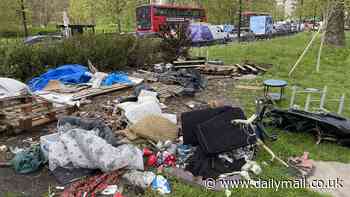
<point x="107" y="52"/>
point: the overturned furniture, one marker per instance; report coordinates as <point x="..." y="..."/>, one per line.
<point x="25" y="112"/>
<point x="327" y="126"/>
<point x="311" y="93"/>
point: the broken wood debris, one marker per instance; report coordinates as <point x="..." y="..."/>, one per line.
<point x="25" y="112"/>
<point x="99" y="91"/>
<point x="249" y="87"/>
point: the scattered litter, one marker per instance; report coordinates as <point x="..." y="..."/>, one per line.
<point x="59" y="188"/>
<point x="110" y="190"/>
<point x="92" y="185"/>
<point x="190" y="79"/>
<point x="16" y="150"/>
<point x="302" y="164"/>
<point x="3" y="148"/>
<point x="147" y="104"/>
<point x="252" y="166"/>
<point x="140" y="179"/>
<point x="97" y="79"/>
<point x="29" y="160"/>
<point x="161" y="185"/>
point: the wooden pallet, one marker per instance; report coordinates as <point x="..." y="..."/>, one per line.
<point x="25" y="112"/>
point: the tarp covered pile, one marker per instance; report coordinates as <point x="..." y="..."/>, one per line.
<point x="75" y="74"/>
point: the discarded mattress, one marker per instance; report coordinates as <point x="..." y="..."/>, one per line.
<point x="11" y="87"/>
<point x="147" y="104"/>
<point x="79" y="148"/>
<point x="328" y="126"/>
<point x="72" y="74"/>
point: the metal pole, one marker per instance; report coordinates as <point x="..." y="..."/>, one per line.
<point x="308" y="101"/>
<point x="323" y="98"/>
<point x="301" y="14"/>
<point x="341" y="105"/>
<point x="239" y="21"/>
<point x="292" y="100"/>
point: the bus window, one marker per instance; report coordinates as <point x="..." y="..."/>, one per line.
<point x="143" y="16"/>
<point x="161" y="11"/>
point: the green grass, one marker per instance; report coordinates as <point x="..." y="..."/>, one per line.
<point x="283" y="53"/>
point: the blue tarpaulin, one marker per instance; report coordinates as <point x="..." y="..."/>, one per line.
<point x="116" y="77"/>
<point x="73" y="74"/>
<point x="200" y="33"/>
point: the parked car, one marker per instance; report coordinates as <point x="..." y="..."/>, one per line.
<point x="43" y="39"/>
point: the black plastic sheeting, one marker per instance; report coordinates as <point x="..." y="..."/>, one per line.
<point x="328" y="126"/>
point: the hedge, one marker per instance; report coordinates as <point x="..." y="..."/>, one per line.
<point x="109" y="52"/>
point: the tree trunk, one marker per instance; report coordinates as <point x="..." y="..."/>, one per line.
<point x="335" y="34"/>
<point x="119" y="25"/>
<point x="24" y="18"/>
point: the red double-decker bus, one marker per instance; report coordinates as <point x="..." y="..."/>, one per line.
<point x="151" y="18"/>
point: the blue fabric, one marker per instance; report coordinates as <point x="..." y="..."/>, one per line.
<point x="117" y="77"/>
<point x="73" y="74"/>
<point x="200" y="33"/>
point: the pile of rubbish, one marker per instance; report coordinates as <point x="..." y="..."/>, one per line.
<point x="69" y="84"/>
<point x="133" y="141"/>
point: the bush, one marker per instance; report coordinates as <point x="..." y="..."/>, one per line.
<point x="107" y="52"/>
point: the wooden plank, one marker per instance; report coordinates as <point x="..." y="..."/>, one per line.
<point x="254" y="70"/>
<point x="97" y="92"/>
<point x="189" y="66"/>
<point x="259" y="67"/>
<point x="189" y="62"/>
<point x="241" y="67"/>
<point x="248" y="87"/>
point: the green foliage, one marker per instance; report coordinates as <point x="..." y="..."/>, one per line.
<point x="108" y="52"/>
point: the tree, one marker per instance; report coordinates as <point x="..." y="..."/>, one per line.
<point x="114" y="9"/>
<point x="9" y="16"/>
<point x="335" y="33"/>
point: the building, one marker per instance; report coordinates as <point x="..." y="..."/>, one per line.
<point x="288" y="6"/>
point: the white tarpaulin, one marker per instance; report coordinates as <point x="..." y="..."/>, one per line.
<point x="11" y="87"/>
